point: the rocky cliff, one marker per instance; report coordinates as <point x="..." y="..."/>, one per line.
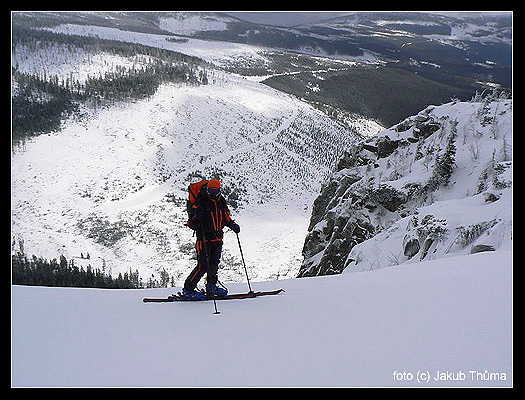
<point x="434" y="185"/>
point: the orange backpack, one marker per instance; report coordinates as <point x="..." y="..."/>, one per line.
<point x="193" y="191"/>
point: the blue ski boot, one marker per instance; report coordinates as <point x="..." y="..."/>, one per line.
<point x="192" y="294"/>
<point x="215" y="291"/>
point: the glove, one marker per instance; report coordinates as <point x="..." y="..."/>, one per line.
<point x="194" y="223"/>
<point x="234" y="227"/>
<point x="199" y="213"/>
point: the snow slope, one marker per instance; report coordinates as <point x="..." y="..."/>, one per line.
<point x="217" y="52"/>
<point x="127" y="168"/>
<point x="450" y="316"/>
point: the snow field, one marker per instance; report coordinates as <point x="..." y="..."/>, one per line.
<point x="356" y="329"/>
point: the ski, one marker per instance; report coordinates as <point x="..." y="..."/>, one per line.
<point x="178" y="297"/>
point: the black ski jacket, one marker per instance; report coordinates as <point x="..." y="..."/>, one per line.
<point x="211" y="216"/>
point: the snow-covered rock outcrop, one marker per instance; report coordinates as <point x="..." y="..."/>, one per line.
<point x="435" y="185"/>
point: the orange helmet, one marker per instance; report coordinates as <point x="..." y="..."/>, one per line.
<point x="214" y="183"/>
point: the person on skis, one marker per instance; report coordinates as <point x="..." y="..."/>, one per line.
<point x="209" y="216"/>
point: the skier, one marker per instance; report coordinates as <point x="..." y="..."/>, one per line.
<point x="208" y="218"/>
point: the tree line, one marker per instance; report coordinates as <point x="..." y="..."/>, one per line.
<point x="38" y="271"/>
<point x="40" y="102"/>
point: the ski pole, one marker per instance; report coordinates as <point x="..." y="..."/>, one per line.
<point x="208" y="265"/>
<point x="244" y="264"/>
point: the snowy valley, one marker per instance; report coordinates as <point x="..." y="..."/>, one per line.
<point x="130" y="166"/>
<point x="112" y="183"/>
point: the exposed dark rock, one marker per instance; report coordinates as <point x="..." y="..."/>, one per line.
<point x="411" y="248"/>
<point x="480" y="248"/>
<point x="385" y="146"/>
<point x="427" y="129"/>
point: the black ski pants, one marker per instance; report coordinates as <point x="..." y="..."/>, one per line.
<point x="209" y="265"/>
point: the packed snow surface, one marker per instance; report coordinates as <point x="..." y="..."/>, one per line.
<point x="449" y="318"/>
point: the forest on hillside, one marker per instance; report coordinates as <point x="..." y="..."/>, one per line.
<point x="41" y="101"/>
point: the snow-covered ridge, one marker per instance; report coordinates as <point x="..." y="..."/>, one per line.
<point x="216" y="52"/>
<point x="189" y="24"/>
